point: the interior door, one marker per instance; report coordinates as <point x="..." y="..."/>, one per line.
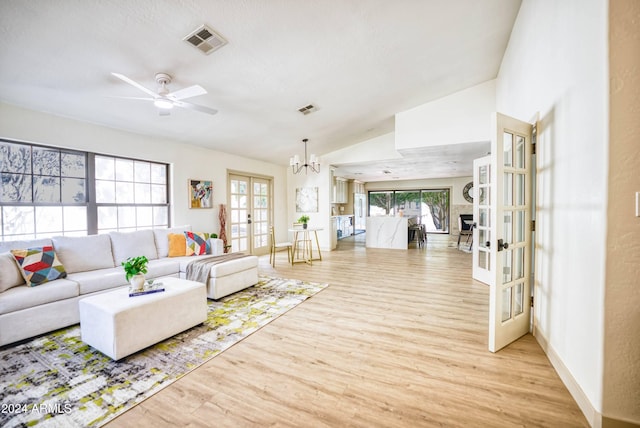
<point x="484" y="260"/>
<point x="261" y="213"/>
<point x="249" y="210"/>
<point x="509" y="304"/>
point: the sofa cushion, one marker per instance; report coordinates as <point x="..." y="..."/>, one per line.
<point x="177" y="244"/>
<point x="133" y="244"/>
<point x="16" y="245"/>
<point x="163" y="267"/>
<point x="99" y="280"/>
<point x="39" y="265"/>
<point x="197" y="243"/>
<point x="83" y="253"/>
<point x="24" y="297"/>
<point x="10" y="275"/>
<point x="162" y="242"/>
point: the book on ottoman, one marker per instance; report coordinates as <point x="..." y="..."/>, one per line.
<point x="155" y="287"/>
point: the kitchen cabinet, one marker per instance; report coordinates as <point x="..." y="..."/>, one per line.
<point x="342" y="193"/>
<point x="339" y="189"/>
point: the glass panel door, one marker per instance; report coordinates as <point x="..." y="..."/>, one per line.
<point x="260" y="215"/>
<point x="250" y="213"/>
<point x="239" y="213"/>
<point x="483" y="257"/>
<point x="509" y="309"/>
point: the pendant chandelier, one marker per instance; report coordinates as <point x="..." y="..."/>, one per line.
<point x="313" y="163"/>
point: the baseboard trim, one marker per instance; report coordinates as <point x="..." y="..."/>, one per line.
<point x="593" y="416"/>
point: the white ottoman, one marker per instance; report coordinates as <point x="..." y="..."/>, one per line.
<point x="118" y="325"/>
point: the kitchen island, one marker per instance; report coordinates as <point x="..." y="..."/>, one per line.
<point x="387" y="232"/>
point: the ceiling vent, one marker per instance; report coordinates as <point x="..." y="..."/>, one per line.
<point x="205" y="39"/>
<point x="307" y="109"/>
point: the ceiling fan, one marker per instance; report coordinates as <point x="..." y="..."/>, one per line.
<point x="165" y="100"/>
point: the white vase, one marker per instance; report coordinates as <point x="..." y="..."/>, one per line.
<point x="137" y="282"/>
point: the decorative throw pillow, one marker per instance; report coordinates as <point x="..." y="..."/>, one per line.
<point x="39" y="265"/>
<point x="177" y="244"/>
<point x="197" y="243"/>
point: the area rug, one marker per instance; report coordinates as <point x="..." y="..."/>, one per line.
<point x="56" y="380"/>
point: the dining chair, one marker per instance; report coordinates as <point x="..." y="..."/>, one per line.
<point x="278" y="246"/>
<point x="465" y="222"/>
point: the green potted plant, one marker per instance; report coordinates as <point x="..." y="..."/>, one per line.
<point x="134" y="269"/>
<point x="304" y="219"/>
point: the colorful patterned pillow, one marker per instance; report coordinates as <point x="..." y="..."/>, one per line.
<point x="177" y="244"/>
<point x="39" y="265"/>
<point x="197" y="243"/>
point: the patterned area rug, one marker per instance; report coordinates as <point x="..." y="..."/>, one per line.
<point x="56" y="380"/>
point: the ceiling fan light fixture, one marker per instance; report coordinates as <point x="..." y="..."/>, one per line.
<point x="163" y="103"/>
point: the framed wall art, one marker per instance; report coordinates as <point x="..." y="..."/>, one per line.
<point x="307" y="200"/>
<point x="200" y="193"/>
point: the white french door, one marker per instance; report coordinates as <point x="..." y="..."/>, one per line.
<point x="249" y="213"/>
<point x="510" y="240"/>
<point x="484" y="260"/>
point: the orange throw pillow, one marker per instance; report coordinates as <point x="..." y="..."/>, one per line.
<point x="177" y="244"/>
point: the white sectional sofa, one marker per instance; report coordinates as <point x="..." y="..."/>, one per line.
<point x="93" y="266"/>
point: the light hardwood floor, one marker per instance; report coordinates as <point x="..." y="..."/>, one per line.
<point x="398" y="339"/>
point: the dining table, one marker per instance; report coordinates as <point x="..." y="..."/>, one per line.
<point x="303" y="244"/>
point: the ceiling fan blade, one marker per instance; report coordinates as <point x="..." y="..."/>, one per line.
<point x="132" y="98"/>
<point x="195" y="107"/>
<point x="134" y="83"/>
<point x="191" y="91"/>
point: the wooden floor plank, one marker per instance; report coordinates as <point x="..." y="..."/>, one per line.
<point x="399" y="338"/>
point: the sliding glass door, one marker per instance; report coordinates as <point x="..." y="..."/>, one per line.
<point x="430" y="206"/>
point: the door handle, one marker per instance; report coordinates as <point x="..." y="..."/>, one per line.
<point x="487" y="244"/>
<point x="249" y="221"/>
<point x="502" y="245"/>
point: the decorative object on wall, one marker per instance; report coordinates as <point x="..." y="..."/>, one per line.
<point x="467" y="192"/>
<point x="222" y="217"/>
<point x="200" y="194"/>
<point x="313" y="163"/>
<point x="307" y="200"/>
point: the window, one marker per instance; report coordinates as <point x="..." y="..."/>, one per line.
<point x="435" y="210"/>
<point x="381" y="203"/>
<point x="44" y="192"/>
<point x="130" y="194"/>
<point x="431" y="206"/>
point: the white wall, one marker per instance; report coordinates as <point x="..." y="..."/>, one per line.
<point x="463" y="117"/>
<point x="187" y="161"/>
<point x="321" y="218"/>
<point x="556" y="65"/>
<point x="374" y="149"/>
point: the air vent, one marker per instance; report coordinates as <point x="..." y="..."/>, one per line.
<point x="307" y="109"/>
<point x="205" y="39"/>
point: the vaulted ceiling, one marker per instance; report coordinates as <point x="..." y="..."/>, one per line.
<point x="358" y="62"/>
